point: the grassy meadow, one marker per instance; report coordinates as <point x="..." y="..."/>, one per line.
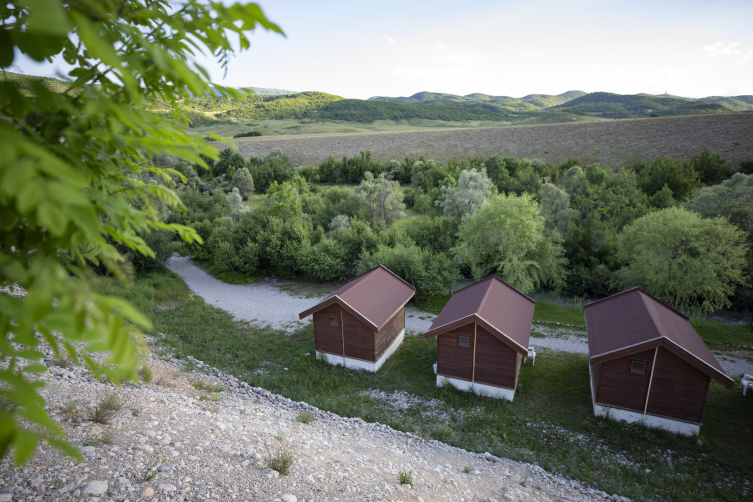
<point x="550" y="421"/>
<point x="289" y="127"/>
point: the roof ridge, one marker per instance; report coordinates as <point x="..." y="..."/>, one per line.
<point x="495" y="276"/>
<point x="640" y="289"/>
<point x="395" y="275"/>
<point x="486" y="295"/>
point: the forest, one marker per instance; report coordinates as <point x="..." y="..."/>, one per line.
<point x="680" y="229"/>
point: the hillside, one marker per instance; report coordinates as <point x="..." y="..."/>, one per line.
<point x="612" y="142"/>
<point x="612" y="105"/>
<point x="502" y="104"/>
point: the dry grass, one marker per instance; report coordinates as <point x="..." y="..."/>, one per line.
<point x="614" y="143"/>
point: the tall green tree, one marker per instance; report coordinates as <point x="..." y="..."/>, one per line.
<point x="474" y="187"/>
<point x="507" y="237"/>
<point x="682" y="258"/>
<point x="381" y="197"/>
<point x="555" y="208"/>
<point x="70" y="175"/>
<point x="243" y="181"/>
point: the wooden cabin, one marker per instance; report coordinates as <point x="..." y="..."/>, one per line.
<point x="647" y="363"/>
<point x="482" y="337"/>
<point x="362" y="324"/>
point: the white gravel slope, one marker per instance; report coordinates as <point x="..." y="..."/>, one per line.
<point x="168" y="445"/>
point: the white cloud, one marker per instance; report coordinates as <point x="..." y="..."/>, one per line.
<point x="719" y="49"/>
<point x="441" y="47"/>
<point x="461" y="57"/>
<point x="389" y="39"/>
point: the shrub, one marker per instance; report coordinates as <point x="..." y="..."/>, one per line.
<point x="280" y="454"/>
<point x="305" y="417"/>
<point x="405" y="478"/>
<point x="106" y="409"/>
<point x="248" y="134"/>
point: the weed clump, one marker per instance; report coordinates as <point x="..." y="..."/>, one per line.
<point x="280" y="454"/>
<point x="305" y="417"/>
<point x="405" y="477"/>
<point x="105" y="410"/>
<point x="201" y="385"/>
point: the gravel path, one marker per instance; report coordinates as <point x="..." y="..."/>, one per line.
<point x="265" y="305"/>
<point x="259" y="303"/>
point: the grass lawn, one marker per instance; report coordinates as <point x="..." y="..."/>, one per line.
<point x="550" y="421"/>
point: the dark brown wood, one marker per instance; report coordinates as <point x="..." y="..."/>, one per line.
<point x="618" y="387"/>
<point x="618" y="354"/>
<point x="328" y="338"/>
<point x="389" y="332"/>
<point x="359" y="338"/>
<point x="452" y="360"/>
<point x="678" y="389"/>
<point x="496" y="362"/>
<point x="454" y="326"/>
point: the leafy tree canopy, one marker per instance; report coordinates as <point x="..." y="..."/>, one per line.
<point x="682" y="258"/>
<point x="72" y="174"/>
<point x="506" y="236"/>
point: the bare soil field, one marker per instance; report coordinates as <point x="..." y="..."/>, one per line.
<point x="609" y="142"/>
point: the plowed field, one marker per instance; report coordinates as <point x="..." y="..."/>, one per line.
<point x="609" y="142"/>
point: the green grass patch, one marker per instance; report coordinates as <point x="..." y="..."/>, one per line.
<point x="553" y="313"/>
<point x="550" y="422"/>
<point x="720" y="336"/>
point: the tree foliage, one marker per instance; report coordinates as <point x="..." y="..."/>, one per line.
<point x="72" y="175"/>
<point x="507" y="237"/>
<point x="684" y="259"/>
<point x="431" y="274"/>
<point x="474" y="187"/>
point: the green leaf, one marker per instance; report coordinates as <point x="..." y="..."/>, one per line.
<point x="35" y="368"/>
<point x="25" y="444"/>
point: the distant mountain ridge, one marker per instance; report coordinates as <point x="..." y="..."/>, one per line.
<point x="529" y="103"/>
<point x="606" y="104"/>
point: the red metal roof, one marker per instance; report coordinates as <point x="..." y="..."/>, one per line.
<point x="505" y="309"/>
<point x="374" y="296"/>
<point x="635" y="318"/>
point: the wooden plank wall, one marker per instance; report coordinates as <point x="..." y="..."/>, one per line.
<point x="359" y="338"/>
<point x="496" y="362"/>
<point x="618" y="387"/>
<point x="387" y="334"/>
<point x="454" y="361"/>
<point x="678" y="390"/>
<point x="328" y="338"/>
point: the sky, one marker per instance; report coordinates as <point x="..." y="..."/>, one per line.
<point x="356" y="49"/>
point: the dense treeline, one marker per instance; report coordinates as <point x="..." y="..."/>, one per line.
<point x="682" y="230"/>
<point x="321" y="106"/>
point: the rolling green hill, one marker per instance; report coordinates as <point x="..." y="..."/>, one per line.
<point x="278" y="104"/>
<point x="612" y="105"/>
<point x="480" y="101"/>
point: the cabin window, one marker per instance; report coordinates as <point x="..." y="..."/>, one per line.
<point x="638" y="367"/>
<point x="333" y="320"/>
<point x="464" y="341"/>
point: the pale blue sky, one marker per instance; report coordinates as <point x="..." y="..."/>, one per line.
<point x="397" y="48"/>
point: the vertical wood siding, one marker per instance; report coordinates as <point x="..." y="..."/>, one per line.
<point x="359" y="338"/>
<point x="618" y="387"/>
<point x="678" y="389"/>
<point x="387" y="334"/>
<point x="496" y="362"/>
<point x="328" y="338"/>
<point x="454" y="361"/>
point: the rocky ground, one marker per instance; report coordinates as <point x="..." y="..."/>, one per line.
<point x="194" y="433"/>
<point x="614" y="142"/>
